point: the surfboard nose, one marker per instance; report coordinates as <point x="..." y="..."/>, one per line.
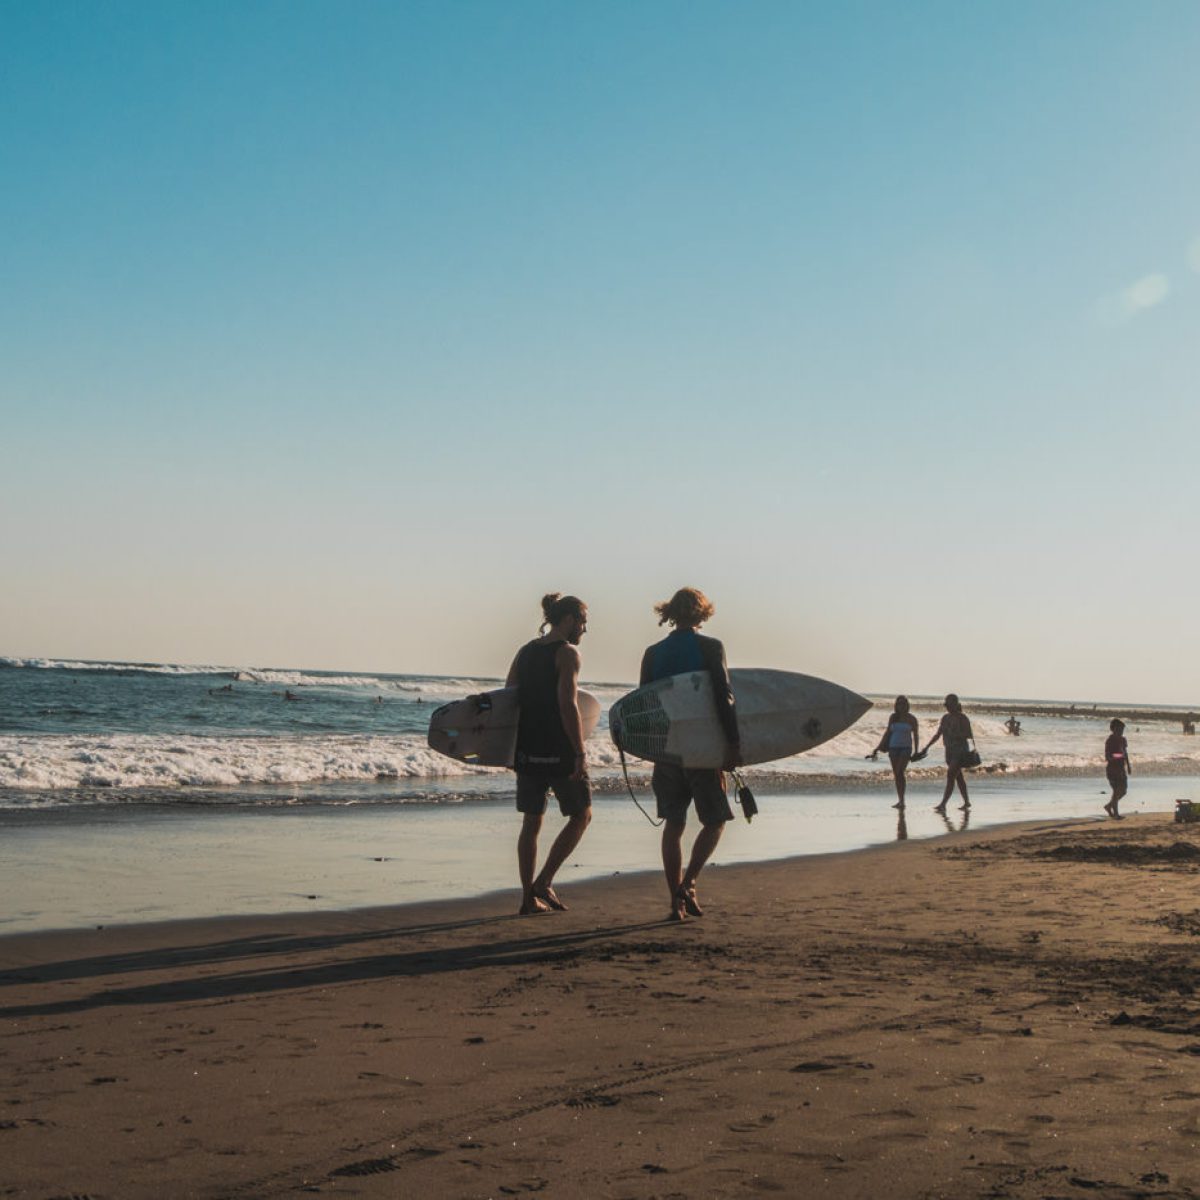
<point x="854" y="706"/>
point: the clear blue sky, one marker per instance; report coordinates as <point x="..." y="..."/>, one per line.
<point x="335" y="334"/>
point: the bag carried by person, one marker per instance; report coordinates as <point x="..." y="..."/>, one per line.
<point x="971" y="758"/>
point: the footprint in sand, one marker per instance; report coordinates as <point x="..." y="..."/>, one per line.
<point x="835" y="1063"/>
<point x="591" y="1100"/>
<point x="751" y="1126"/>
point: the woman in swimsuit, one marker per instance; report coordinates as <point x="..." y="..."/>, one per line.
<point x="956" y="729"/>
<point x="899" y="740"/>
<point x="1116" y="765"/>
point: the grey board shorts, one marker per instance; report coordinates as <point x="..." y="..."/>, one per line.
<point x="574" y="796"/>
<point x="675" y="788"/>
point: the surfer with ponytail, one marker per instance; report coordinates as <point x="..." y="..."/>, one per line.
<point x="556" y="606"/>
<point x="549" y="755"/>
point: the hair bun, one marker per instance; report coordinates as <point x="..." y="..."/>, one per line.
<point x="549" y="600"/>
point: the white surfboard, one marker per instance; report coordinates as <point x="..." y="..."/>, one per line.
<point x="482" y="730"/>
<point x="779" y="713"/>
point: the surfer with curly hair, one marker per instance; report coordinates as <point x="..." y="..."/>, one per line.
<point x="955" y="728"/>
<point x="549" y="754"/>
<point x="900" y="740"/>
<point x="675" y="788"/>
<point x="1116" y="765"/>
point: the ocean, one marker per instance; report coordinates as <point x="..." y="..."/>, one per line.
<point x="147" y="791"/>
<point x="113" y="733"/>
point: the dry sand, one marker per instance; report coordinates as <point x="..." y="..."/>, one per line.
<point x="1010" y="1013"/>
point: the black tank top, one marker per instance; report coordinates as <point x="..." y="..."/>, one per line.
<point x="543" y="747"/>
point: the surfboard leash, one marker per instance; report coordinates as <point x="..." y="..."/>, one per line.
<point x="745" y="797"/>
<point x="632" y="795"/>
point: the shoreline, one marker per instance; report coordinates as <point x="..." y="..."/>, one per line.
<point x="488" y="784"/>
<point x="126" y="866"/>
<point x="959" y="1017"/>
<point x="498" y="902"/>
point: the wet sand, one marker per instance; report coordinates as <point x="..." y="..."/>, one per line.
<point x="119" y="865"/>
<point x="1004" y="1013"/>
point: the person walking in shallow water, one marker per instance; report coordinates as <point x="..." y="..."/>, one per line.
<point x="549" y="755"/>
<point x="900" y="740"/>
<point x="955" y="729"/>
<point x="1116" y="765"/>
<point x="675" y="788"/>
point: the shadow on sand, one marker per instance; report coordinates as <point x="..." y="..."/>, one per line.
<point x="510" y="952"/>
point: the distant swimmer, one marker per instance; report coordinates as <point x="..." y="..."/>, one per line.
<point x="289" y="695"/>
<point x="215" y="691"/>
<point x="1116" y="765"/>
<point x="378" y="699"/>
<point x="1013" y="726"/>
<point x="1189" y="723"/>
<point x="676" y="788"/>
<point x="900" y="740"/>
<point x="955" y="728"/>
<point x="550" y="753"/>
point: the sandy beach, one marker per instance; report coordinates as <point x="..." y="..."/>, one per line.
<point x="1009" y="1013"/>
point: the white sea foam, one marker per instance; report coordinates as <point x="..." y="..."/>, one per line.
<point x="64" y="664"/>
<point x="164" y="761"/>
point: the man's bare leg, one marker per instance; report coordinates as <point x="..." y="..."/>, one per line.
<point x="527" y="843"/>
<point x="702" y="849"/>
<point x="568" y="838"/>
<point x="672" y="856"/>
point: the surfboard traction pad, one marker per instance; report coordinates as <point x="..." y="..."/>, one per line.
<point x="639" y="725"/>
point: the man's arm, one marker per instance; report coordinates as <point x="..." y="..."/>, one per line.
<point x="646" y="675"/>
<point x="714" y="653"/>
<point x="568" y="703"/>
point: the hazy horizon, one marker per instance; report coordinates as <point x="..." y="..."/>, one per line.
<point x="879" y="694"/>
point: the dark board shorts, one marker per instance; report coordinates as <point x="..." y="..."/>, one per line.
<point x="675" y="788"/>
<point x="574" y="796"/>
<point x="1116" y="774"/>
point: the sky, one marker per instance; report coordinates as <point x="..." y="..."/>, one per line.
<point x="335" y="335"/>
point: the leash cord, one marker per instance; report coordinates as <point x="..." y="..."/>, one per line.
<point x="632" y="795"/>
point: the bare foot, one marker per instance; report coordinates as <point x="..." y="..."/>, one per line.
<point x="686" y="895"/>
<point x="548" y="896"/>
<point x="531" y="906"/>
